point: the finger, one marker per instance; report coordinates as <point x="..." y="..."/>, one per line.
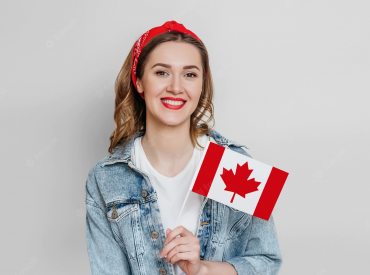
<point x="188" y="256"/>
<point x="182" y="249"/>
<point x="180" y="230"/>
<point x="174" y="243"/>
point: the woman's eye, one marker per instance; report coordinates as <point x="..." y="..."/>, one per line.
<point x="194" y="75"/>
<point x="159" y="72"/>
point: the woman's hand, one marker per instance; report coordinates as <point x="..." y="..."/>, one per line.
<point x="183" y="250"/>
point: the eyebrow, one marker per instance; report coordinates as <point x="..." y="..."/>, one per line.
<point x="169" y="66"/>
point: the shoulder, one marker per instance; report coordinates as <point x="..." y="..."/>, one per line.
<point x="239" y="149"/>
<point x="229" y="143"/>
<point x="98" y="166"/>
<point x="94" y="172"/>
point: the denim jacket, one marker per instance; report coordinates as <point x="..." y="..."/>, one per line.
<point x="125" y="233"/>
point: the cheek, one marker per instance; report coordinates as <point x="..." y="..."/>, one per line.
<point x="154" y="91"/>
<point x="154" y="84"/>
<point x="194" y="88"/>
<point x="195" y="93"/>
<point x="195" y="100"/>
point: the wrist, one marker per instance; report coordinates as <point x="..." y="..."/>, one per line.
<point x="203" y="269"/>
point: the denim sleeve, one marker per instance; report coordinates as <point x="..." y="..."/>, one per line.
<point x="262" y="255"/>
<point x="104" y="251"/>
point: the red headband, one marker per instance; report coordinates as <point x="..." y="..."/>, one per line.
<point x="144" y="39"/>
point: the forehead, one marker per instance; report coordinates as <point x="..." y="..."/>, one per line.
<point x="171" y="52"/>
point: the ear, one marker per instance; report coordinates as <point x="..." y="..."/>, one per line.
<point x="139" y="86"/>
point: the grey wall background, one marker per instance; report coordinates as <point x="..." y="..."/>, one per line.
<point x="291" y="81"/>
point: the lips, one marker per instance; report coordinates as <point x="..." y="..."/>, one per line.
<point x="173" y="103"/>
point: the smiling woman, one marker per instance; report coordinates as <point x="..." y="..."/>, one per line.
<point x="171" y="60"/>
<point x="134" y="196"/>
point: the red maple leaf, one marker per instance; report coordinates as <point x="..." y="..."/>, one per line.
<point x="239" y="183"/>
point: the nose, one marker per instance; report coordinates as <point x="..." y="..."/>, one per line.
<point x="175" y="86"/>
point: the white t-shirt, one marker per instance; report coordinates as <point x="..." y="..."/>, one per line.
<point x="171" y="191"/>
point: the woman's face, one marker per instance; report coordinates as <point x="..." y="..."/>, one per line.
<point x="172" y="72"/>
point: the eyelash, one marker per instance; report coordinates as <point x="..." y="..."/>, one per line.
<point x="165" y="72"/>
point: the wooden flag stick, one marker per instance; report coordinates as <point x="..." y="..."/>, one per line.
<point x="182" y="208"/>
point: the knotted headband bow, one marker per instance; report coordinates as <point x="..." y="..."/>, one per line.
<point x="145" y="38"/>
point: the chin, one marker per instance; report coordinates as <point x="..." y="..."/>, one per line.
<point x="175" y="122"/>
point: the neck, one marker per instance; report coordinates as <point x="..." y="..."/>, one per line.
<point x="165" y="143"/>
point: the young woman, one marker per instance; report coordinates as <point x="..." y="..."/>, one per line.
<point x="134" y="195"/>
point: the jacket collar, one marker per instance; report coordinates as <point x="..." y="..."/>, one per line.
<point x="122" y="153"/>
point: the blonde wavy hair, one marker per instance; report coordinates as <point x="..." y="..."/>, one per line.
<point x="130" y="108"/>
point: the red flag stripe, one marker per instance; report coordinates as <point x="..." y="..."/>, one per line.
<point x="208" y="169"/>
<point x="270" y="193"/>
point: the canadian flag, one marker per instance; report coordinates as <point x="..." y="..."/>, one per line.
<point x="238" y="181"/>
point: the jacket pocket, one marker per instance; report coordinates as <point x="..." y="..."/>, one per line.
<point x="238" y="223"/>
<point x="125" y="222"/>
<point x="228" y="223"/>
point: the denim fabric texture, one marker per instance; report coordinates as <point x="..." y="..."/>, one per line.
<point x="125" y="233"/>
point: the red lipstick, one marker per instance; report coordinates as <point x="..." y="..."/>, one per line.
<point x="173" y="107"/>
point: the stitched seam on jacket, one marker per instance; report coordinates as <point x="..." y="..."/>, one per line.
<point x="147" y="199"/>
<point x="135" y="253"/>
<point x="94" y="204"/>
<point x="236" y="227"/>
<point x="124" y="214"/>
<point x="151" y="228"/>
<point x="120" y="241"/>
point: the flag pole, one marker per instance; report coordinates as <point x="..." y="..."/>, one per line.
<point x="182" y="208"/>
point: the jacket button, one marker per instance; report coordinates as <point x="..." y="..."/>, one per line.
<point x="155" y="234"/>
<point x="144" y="193"/>
<point x="162" y="271"/>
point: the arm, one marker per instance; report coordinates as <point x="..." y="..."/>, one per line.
<point x="105" y="254"/>
<point x="215" y="268"/>
<point x="262" y="255"/>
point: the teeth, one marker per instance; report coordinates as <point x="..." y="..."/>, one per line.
<point x="172" y="102"/>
